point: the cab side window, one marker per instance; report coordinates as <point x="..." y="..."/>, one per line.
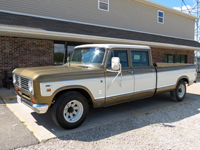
<point x="140" y="58"/>
<point x="122" y="54"/>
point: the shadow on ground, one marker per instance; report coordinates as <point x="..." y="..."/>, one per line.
<point x="105" y="122"/>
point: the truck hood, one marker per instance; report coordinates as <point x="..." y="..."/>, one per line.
<point x="48" y="73"/>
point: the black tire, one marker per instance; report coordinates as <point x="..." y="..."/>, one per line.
<point x="179" y="93"/>
<point x="70" y="110"/>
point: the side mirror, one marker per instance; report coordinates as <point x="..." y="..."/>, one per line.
<point x="115" y="65"/>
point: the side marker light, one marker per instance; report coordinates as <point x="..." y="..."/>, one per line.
<point x="48" y="90"/>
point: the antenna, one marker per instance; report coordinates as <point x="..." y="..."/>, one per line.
<point x="194" y="10"/>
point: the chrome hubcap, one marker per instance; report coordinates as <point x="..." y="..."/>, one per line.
<point x="181" y="90"/>
<point x="73" y="111"/>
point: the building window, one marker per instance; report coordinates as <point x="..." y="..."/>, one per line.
<point x="63" y="51"/>
<point x="103" y="5"/>
<point x="70" y="49"/>
<point x="59" y="53"/>
<point x="169" y="58"/>
<point x="160" y="16"/>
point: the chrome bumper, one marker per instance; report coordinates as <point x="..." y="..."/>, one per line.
<point x="38" y="108"/>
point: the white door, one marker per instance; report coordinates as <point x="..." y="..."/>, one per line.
<point x="122" y="86"/>
<point x="144" y="74"/>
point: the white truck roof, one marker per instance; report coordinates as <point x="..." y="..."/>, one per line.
<point x="113" y="46"/>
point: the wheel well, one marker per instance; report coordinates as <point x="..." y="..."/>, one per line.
<point x="184" y="79"/>
<point x="85" y="93"/>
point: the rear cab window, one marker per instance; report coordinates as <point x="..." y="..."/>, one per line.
<point x="140" y="58"/>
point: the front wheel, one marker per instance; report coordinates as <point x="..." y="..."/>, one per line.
<point x="70" y="110"/>
<point x="179" y="93"/>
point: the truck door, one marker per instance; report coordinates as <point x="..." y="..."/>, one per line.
<point x="144" y="74"/>
<point x="121" y="89"/>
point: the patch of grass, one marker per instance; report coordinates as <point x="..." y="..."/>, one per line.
<point x="45" y="141"/>
<point x="22" y="121"/>
<point x="31" y="132"/>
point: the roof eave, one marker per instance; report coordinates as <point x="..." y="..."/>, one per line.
<point x="51" y="35"/>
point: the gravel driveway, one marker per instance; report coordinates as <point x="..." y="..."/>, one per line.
<point x="172" y="128"/>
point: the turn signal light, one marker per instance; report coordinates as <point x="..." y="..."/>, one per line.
<point x="48" y="90"/>
<point x="32" y="99"/>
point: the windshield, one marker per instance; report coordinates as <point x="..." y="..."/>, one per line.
<point x="88" y="56"/>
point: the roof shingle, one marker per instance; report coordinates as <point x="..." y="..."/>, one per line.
<point x="77" y="28"/>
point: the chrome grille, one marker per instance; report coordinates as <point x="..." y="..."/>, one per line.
<point x="17" y="79"/>
<point x="22" y="82"/>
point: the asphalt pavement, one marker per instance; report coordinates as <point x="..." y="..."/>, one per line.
<point x="13" y="132"/>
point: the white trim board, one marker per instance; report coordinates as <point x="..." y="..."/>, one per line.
<point x="98" y="25"/>
<point x="42" y="34"/>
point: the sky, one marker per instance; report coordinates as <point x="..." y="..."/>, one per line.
<point x="174" y="3"/>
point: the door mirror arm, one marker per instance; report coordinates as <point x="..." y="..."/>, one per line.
<point x="119" y="71"/>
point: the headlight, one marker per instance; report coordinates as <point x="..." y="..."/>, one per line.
<point x="30" y="86"/>
<point x="14" y="79"/>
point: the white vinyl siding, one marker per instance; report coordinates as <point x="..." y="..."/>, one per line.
<point x="126" y="14"/>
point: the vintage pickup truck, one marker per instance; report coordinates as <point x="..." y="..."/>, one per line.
<point x="100" y="75"/>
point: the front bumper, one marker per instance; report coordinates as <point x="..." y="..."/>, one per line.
<point x="38" y="108"/>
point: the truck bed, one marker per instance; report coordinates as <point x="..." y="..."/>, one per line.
<point x="168" y="74"/>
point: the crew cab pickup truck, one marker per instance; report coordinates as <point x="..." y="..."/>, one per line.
<point x="100" y="75"/>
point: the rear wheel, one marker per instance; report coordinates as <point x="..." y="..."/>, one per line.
<point x="70" y="110"/>
<point x="179" y="93"/>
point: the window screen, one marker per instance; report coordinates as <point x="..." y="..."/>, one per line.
<point x="140" y="58"/>
<point x="122" y="54"/>
<point x="104" y="5"/>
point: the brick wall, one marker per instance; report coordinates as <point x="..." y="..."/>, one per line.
<point x="157" y="54"/>
<point x="23" y="52"/>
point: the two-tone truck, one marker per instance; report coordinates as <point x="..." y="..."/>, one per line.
<point x="100" y="75"/>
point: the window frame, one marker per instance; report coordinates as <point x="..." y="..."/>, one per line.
<point x="160" y="17"/>
<point x="174" y="58"/>
<point x="143" y="50"/>
<point x="118" y="49"/>
<point x="99" y="1"/>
